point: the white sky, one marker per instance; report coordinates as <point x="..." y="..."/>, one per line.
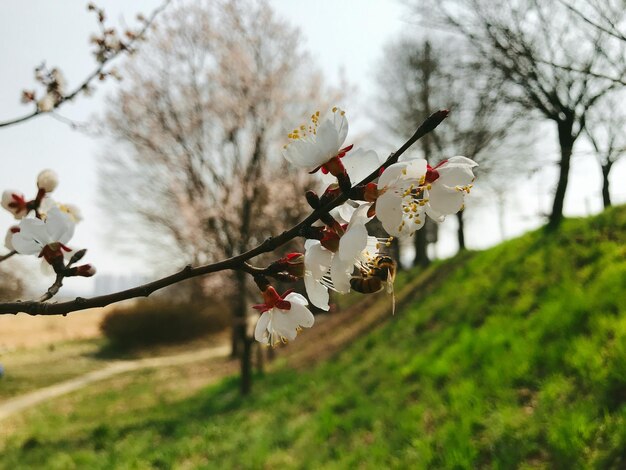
<point x="341" y="35"/>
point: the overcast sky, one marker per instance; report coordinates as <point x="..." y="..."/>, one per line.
<point x="341" y="35"/>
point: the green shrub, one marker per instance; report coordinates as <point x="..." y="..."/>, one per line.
<point x="154" y="322"/>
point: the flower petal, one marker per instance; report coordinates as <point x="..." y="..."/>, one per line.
<point x="389" y="212"/>
<point x="317" y="259"/>
<point x="25" y="245"/>
<point x="444" y="199"/>
<point x="391" y="174"/>
<point x="59" y="225"/>
<point x="318" y="294"/>
<point x="340" y="273"/>
<point x="360" y="163"/>
<point x="260" y="331"/>
<point x="341" y="125"/>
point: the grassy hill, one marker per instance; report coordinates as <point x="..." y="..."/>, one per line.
<point x="518" y="359"/>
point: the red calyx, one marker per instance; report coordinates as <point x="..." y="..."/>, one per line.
<point x="53" y="251"/>
<point x="272" y="299"/>
<point x="18" y="203"/>
<point x="431" y="173"/>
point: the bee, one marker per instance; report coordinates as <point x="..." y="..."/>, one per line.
<point x="375" y="276"/>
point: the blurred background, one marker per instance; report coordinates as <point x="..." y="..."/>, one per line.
<point x="508" y="345"/>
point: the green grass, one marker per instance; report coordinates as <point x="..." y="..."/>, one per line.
<point x="518" y="360"/>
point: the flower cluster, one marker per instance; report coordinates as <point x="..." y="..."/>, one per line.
<point x="45" y="228"/>
<point x="339" y="254"/>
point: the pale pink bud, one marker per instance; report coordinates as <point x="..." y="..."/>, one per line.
<point x="47" y="180"/>
<point x="46" y="103"/>
<point x="86" y="270"/>
<point x="15" y="203"/>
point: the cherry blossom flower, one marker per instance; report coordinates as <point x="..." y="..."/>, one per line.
<point x="72" y="210"/>
<point x="447" y="185"/>
<point x="47" y="238"/>
<point x="319" y="145"/>
<point x="15" y="203"/>
<point x="282" y="317"/>
<point x="410" y="190"/>
<point x="47" y="180"/>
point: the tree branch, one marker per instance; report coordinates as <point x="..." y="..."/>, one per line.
<point x="237" y="262"/>
<point x="7" y="256"/>
<point x="94" y="74"/>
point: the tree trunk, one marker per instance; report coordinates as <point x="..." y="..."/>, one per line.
<point x="460" y="233"/>
<point x="260" y="358"/>
<point x="606" y="195"/>
<point x="240" y="307"/>
<point x="421" y="245"/>
<point x="566" y="142"/>
<point x="245" y="384"/>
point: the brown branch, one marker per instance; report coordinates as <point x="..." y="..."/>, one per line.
<point x="237" y="262"/>
<point x="93" y="75"/>
<point x="53" y="289"/>
<point x="7" y="256"/>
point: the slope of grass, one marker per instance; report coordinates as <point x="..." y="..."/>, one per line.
<point x="518" y="360"/>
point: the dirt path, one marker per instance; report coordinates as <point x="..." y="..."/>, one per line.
<point x="22" y="402"/>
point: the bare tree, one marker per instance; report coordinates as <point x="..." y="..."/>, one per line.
<point x="419" y="76"/>
<point x="606" y="131"/>
<point x="198" y="129"/>
<point x="523" y="40"/>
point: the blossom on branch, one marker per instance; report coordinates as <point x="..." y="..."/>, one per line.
<point x="15" y="203"/>
<point x="45" y="239"/>
<point x="282" y="317"/>
<point x="319" y="145"/>
<point x="412" y="189"/>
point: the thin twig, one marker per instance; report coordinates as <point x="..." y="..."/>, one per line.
<point x="238" y="262"/>
<point x="93" y="75"/>
<point x="7" y="256"/>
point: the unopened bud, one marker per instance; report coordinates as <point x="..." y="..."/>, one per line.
<point x="292" y="265"/>
<point x="76" y="257"/>
<point x="85" y="270"/>
<point x="28" y="96"/>
<point x="312" y="198"/>
<point x="47" y="180"/>
<point x="46" y="103"/>
<point x="15" y="203"/>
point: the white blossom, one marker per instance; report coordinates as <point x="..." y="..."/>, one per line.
<point x="314" y="145"/>
<point x="410" y="190"/>
<point x="35" y="235"/>
<point x="282" y="317"/>
<point x="329" y="262"/>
